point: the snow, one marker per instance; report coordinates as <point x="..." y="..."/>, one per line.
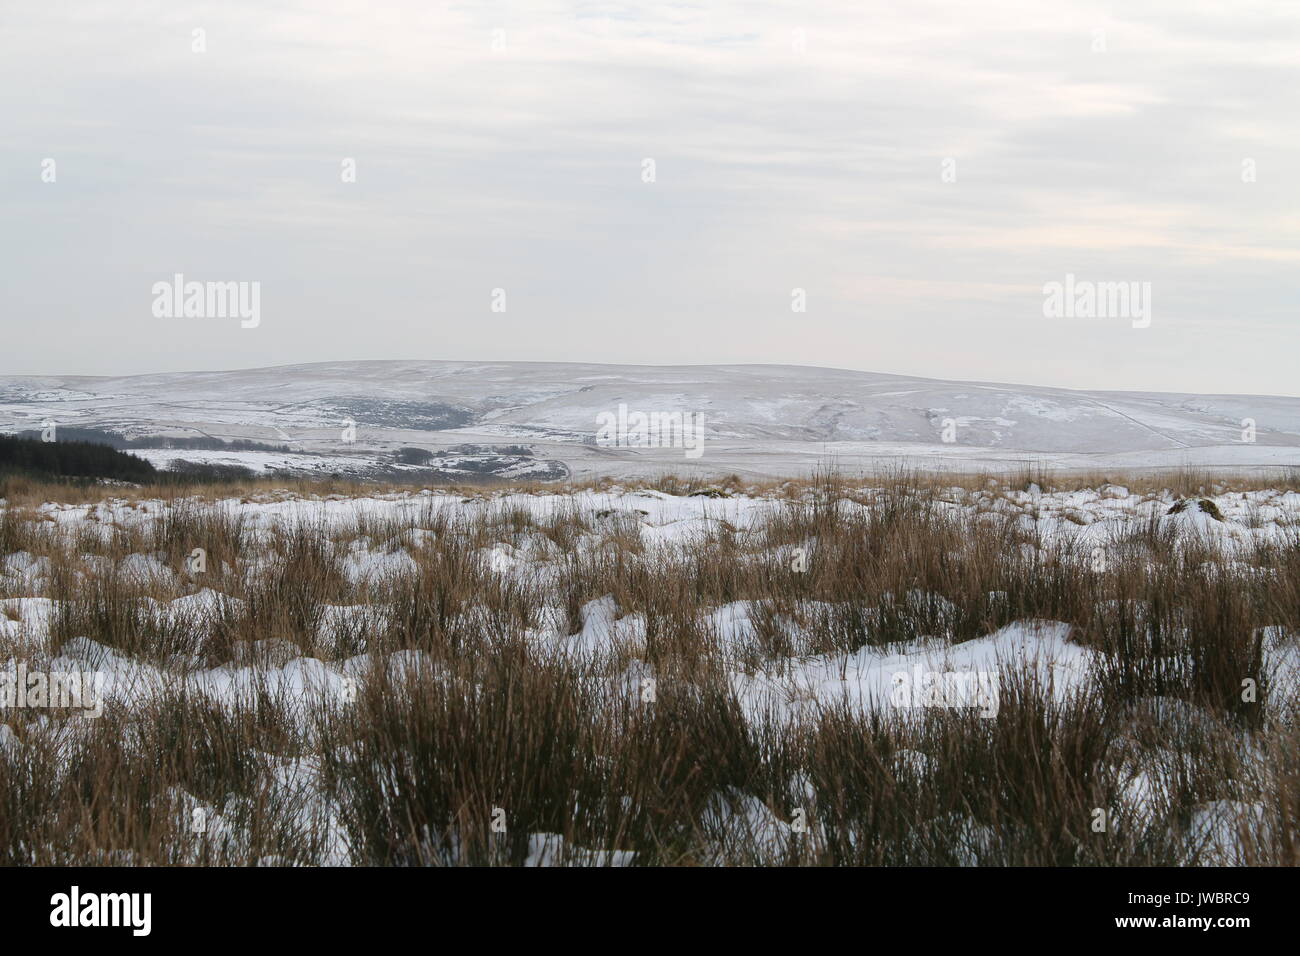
<point x="761" y="420"/>
<point x="786" y="690"/>
<point x="869" y="680"/>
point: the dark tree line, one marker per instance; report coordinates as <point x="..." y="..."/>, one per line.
<point x="114" y="440"/>
<point x="71" y="459"/>
<point x="79" y="460"/>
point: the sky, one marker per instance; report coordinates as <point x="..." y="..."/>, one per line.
<point x="878" y="186"/>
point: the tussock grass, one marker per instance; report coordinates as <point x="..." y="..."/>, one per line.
<point x="462" y="716"/>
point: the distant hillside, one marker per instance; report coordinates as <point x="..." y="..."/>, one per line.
<point x="781" y="414"/>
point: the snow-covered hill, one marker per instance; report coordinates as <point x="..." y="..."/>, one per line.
<point x="761" y="418"/>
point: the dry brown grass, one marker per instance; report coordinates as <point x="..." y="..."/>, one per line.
<point x="479" y="716"/>
<point x="1175" y="481"/>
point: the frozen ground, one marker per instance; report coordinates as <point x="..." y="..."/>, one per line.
<point x="792" y="689"/>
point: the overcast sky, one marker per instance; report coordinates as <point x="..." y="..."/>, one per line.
<point x="796" y="146"/>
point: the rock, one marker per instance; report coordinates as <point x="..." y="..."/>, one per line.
<point x="1205" y="505"/>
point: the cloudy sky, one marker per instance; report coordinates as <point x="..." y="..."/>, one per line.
<point x="795" y="146"/>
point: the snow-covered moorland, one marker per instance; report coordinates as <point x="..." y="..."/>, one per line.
<point x="890" y="672"/>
